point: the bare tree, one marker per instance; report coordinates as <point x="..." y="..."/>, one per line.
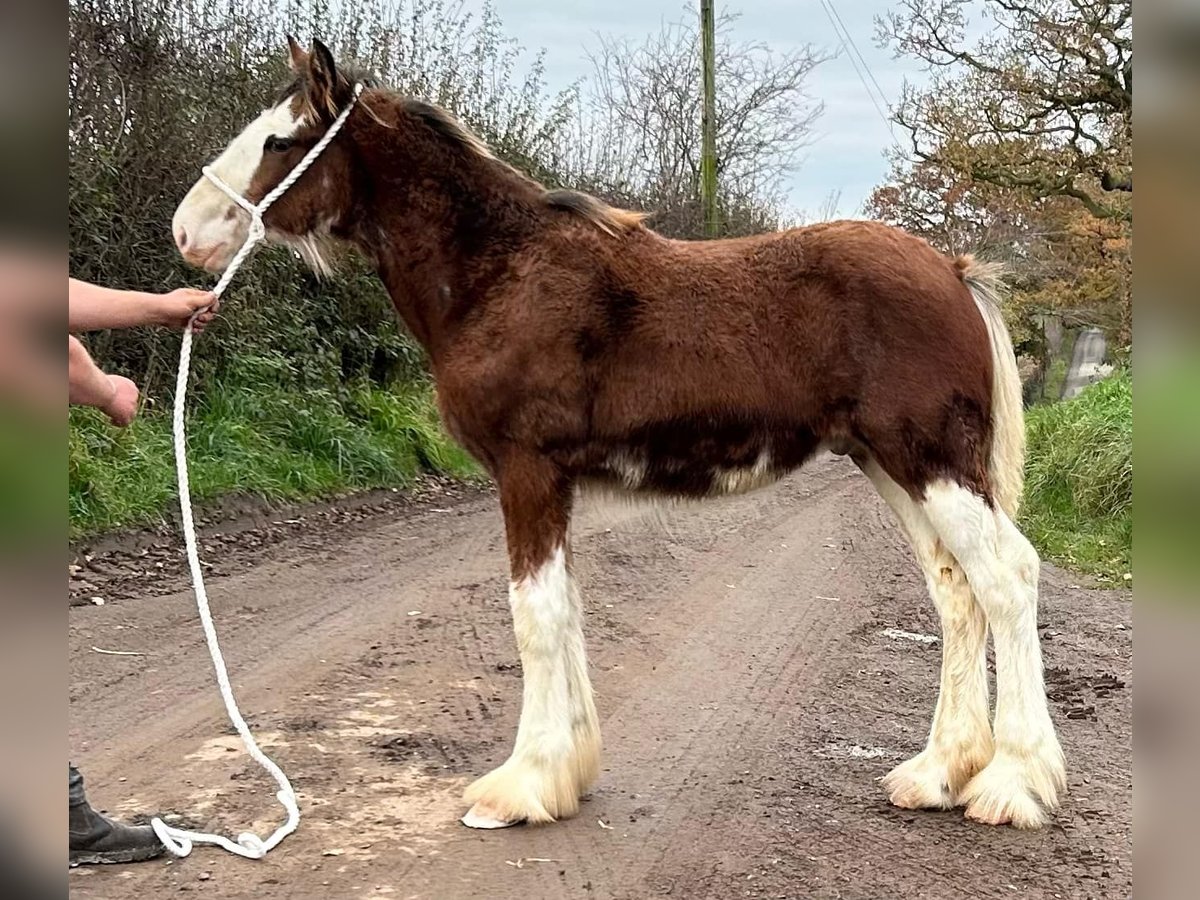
<point x="646" y="101"/>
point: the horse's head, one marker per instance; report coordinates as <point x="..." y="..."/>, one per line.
<point x="209" y="227"/>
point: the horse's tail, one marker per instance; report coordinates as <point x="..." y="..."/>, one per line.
<point x="1006" y="466"/>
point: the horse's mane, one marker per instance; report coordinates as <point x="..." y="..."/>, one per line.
<point x="609" y="219"/>
<point x="443" y="123"/>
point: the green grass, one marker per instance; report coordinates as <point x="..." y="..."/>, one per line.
<point x="1078" y="507"/>
<point x="273" y="443"/>
<point x="1056" y="377"/>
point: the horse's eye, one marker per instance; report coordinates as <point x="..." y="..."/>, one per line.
<point x="276" y="144"/>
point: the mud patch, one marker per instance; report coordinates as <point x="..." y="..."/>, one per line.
<point x="218" y="748"/>
<point x="431" y="753"/>
<point x="303" y="725"/>
<point x="1076" y="694"/>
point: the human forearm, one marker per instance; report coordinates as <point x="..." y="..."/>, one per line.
<point x="87" y="384"/>
<point x="91" y="307"/>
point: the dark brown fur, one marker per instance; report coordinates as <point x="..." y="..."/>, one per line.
<point x="562" y="343"/>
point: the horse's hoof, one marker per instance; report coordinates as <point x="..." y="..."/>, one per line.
<point x="1017" y="792"/>
<point x="474" y="820"/>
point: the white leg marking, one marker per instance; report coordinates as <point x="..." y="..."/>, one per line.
<point x="557" y="751"/>
<point x="960" y="737"/>
<point x="1002" y="569"/>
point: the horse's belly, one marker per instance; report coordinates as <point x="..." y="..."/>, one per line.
<point x="678" y="476"/>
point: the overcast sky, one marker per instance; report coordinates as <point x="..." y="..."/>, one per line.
<point x="847" y="154"/>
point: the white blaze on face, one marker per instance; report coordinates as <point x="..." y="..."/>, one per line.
<point x="208" y="227"/>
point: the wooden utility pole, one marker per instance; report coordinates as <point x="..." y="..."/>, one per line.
<point x="708" y="121"/>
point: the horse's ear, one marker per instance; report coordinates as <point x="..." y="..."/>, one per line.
<point x="324" y="82"/>
<point x="298" y="56"/>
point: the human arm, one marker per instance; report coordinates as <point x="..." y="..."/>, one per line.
<point x="87" y="385"/>
<point x="91" y="307"/>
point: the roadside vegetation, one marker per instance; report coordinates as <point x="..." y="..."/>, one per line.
<point x="253" y="439"/>
<point x="1078" y="506"/>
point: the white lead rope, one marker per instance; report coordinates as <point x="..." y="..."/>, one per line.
<point x="179" y="841"/>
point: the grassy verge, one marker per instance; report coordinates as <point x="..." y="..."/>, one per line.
<point x="1078" y="506"/>
<point x="269" y="442"/>
<point x="1056" y="377"/>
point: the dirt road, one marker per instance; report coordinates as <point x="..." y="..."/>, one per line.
<point x="759" y="662"/>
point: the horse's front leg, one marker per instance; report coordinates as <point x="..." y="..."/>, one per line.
<point x="557" y="752"/>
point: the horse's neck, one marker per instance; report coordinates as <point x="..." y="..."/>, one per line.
<point x="415" y="289"/>
<point x="439" y="250"/>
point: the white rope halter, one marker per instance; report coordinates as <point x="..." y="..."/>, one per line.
<point x="179" y="841"/>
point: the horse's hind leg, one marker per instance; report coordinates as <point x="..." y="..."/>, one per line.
<point x="556" y="756"/>
<point x="1002" y="569"/>
<point x="960" y="737"/>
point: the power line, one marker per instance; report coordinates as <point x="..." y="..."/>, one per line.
<point x="848" y="42"/>
<point x="833" y="8"/>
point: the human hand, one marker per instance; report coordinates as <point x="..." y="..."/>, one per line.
<point x="176" y="308"/>
<point x="122" y="408"/>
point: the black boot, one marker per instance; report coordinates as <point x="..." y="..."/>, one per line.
<point x="96" y="839"/>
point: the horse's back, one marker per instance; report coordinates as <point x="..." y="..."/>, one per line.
<point x="786" y="323"/>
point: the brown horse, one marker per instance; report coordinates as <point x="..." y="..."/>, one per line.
<point x="574" y="347"/>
